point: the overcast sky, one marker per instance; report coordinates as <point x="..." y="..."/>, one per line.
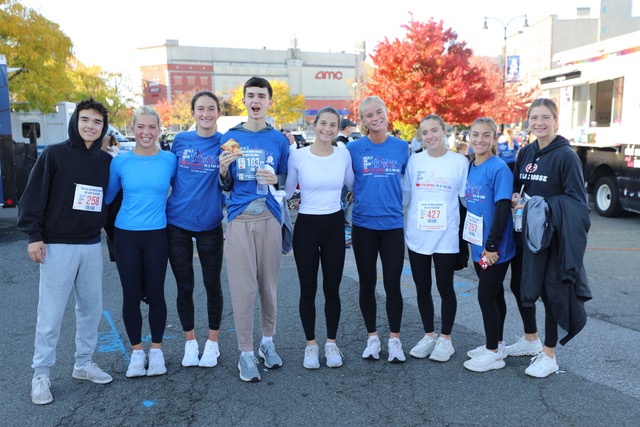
<point x="108" y="33"/>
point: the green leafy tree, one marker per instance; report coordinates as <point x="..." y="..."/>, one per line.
<point x="42" y="50"/>
<point x="111" y="89"/>
<point x="429" y="71"/>
<point x="120" y="99"/>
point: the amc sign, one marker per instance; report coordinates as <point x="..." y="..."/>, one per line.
<point x="329" y="75"/>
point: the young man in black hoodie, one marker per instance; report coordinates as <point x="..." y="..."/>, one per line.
<point x="62" y="211"/>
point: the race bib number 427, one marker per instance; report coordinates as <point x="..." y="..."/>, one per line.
<point x="432" y="216"/>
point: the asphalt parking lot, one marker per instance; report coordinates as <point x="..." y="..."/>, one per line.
<point x="598" y="382"/>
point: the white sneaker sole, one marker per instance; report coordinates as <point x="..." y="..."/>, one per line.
<point x="93" y="380"/>
<point x="190" y="363"/>
<point x="135" y="374"/>
<point x="498" y="364"/>
<point x="397" y="360"/>
<point x="537" y="375"/>
<point x="418" y="355"/>
<point x="154" y="373"/>
<point x="249" y="380"/>
<point x="41" y="401"/>
<point x="437" y="358"/>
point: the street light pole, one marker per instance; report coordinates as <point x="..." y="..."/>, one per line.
<point x="504" y="48"/>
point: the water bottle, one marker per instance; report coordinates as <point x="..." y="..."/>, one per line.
<point x="517" y="222"/>
<point x="261" y="185"/>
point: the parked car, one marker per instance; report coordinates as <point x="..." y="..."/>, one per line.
<point x="309" y="136"/>
<point x="126" y="144"/>
<point x="300" y="140"/>
<point x="171" y="136"/>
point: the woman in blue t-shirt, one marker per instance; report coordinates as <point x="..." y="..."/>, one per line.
<point x="379" y="161"/>
<point x="508" y="148"/>
<point x="489" y="229"/>
<point x="194" y="212"/>
<point x="140" y="238"/>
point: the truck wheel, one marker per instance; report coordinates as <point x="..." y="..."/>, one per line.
<point x="606" y="198"/>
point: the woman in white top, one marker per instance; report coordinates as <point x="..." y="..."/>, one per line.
<point x="321" y="170"/>
<point x="432" y="186"/>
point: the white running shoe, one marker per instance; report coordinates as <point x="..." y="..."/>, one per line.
<point x="542" y="366"/>
<point x="479" y="350"/>
<point x="524" y="348"/>
<point x="191" y="351"/>
<point x="156" y="363"/>
<point x="485" y="361"/>
<point x="210" y="355"/>
<point x="396" y="355"/>
<point x="41" y="390"/>
<point x="137" y="364"/>
<point x="424" y="347"/>
<point x="333" y="355"/>
<point x="372" y="352"/>
<point x="91" y="372"/>
<point x="311" y="357"/>
<point x="442" y="351"/>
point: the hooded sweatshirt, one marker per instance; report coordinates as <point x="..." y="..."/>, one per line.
<point x="45" y="210"/>
<point x="551" y="171"/>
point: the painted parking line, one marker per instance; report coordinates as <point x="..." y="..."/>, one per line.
<point x="110" y="341"/>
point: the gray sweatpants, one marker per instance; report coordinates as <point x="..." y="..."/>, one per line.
<point x="67" y="268"/>
<point x="252" y="249"/>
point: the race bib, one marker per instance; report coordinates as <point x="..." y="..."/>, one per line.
<point x="472" y="231"/>
<point x="87" y="198"/>
<point x="248" y="164"/>
<point x="432" y="216"/>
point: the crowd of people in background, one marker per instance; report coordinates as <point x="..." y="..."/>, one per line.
<point x="436" y="196"/>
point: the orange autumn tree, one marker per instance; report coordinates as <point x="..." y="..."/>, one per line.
<point x="164" y="111"/>
<point x="429" y="71"/>
<point x="511" y="101"/>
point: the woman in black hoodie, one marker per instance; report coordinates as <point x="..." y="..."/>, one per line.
<point x="547" y="167"/>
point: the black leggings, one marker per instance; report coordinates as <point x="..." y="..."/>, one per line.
<point x="367" y="244"/>
<point x="319" y="239"/>
<point x="142" y="254"/>
<point x="210" y="248"/>
<point x="550" y="325"/>
<point x="491" y="300"/>
<point x="421" y="271"/>
<point x="528" y="314"/>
